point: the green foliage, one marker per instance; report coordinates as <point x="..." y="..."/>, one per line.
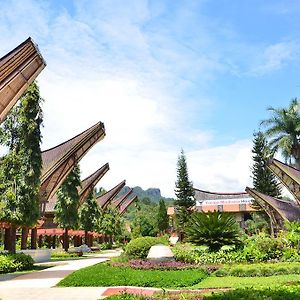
<point x="256" y="270"/>
<point x="283" y="129"/>
<point x="139" y="247"/>
<point x="264" y="180"/>
<point x="106" y="275"/>
<point x="15" y="262"/>
<point x="162" y="217"/>
<point x="64" y="255"/>
<point x="21" y="167"/>
<point x="184" y="192"/>
<point x="110" y="222"/>
<point x="89" y="214"/>
<point x="143" y="220"/>
<point x="258" y="224"/>
<point x="213" y="229"/>
<point x="66" y="207"/>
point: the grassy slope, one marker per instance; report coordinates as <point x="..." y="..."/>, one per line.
<point x="105" y="275"/>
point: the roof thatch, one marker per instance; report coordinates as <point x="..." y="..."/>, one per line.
<point x="106" y="198"/>
<point x="201" y="195"/>
<point x="119" y="201"/>
<point x="60" y="160"/>
<point x="282" y="210"/>
<point x="18" y="69"/>
<point x="288" y="175"/>
<point x="88" y="184"/>
<point x="126" y="204"/>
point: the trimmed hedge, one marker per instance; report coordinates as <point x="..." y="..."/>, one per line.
<point x="15" y="262"/>
<point x="139" y="247"/>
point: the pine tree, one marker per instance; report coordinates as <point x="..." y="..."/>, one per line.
<point x="66" y="208"/>
<point x="162" y="217"/>
<point x="21" y="167"/>
<point x="185" y="194"/>
<point x="89" y="215"/>
<point x="264" y="180"/>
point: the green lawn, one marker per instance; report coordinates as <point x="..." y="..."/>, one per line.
<point x="105" y="275"/>
<point x="240" y="282"/>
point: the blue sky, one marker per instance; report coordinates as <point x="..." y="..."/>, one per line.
<point x="161" y="75"/>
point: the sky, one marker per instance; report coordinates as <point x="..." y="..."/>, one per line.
<point x="162" y="76"/>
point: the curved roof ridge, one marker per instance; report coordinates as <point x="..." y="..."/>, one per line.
<point x="221" y="193"/>
<point x="127" y="204"/>
<point x="119" y="201"/>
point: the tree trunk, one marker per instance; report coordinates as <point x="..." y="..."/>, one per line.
<point x="54" y="242"/>
<point x="12" y="240"/>
<point x="86" y="237"/>
<point x="66" y="240"/>
<point x="24" y="238"/>
<point x="40" y="241"/>
<point x="33" y="237"/>
<point x="6" y="238"/>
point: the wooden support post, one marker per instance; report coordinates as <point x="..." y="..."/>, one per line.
<point x="33" y="237"/>
<point x="24" y="238"/>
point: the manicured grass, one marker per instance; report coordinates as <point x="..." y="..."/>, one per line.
<point x="105" y="275"/>
<point x="261" y="269"/>
<point x="238" y="282"/>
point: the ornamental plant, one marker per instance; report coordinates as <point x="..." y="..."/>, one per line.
<point x="213" y="229"/>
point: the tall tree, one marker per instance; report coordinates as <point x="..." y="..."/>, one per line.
<point x="89" y="215"/>
<point x="283" y="129"/>
<point x="21" y="167"/>
<point x="66" y="207"/>
<point x="162" y="217"/>
<point x="184" y="192"/>
<point x="264" y="180"/>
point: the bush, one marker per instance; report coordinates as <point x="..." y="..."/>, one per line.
<point x="139" y="247"/>
<point x="105" y="246"/>
<point x="65" y="255"/>
<point x="15" y="262"/>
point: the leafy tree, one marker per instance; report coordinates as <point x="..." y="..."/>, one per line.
<point x="110" y="223"/>
<point x="162" y="217"/>
<point x="184" y="192"/>
<point x="89" y="214"/>
<point x="283" y="129"/>
<point x="213" y="229"/>
<point x="21" y="167"/>
<point x="264" y="180"/>
<point x="258" y="224"/>
<point x="66" y="207"/>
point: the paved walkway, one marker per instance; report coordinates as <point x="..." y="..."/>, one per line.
<point x="40" y="285"/>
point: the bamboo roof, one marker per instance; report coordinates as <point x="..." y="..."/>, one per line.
<point x="119" y="201"/>
<point x="126" y="204"/>
<point x="289" y="176"/>
<point x="18" y="69"/>
<point x="60" y="160"/>
<point x="284" y="210"/>
<point x="106" y="198"/>
<point x="88" y="184"/>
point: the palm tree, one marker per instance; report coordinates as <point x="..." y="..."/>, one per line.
<point x="283" y="129"/>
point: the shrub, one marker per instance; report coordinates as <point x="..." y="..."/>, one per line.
<point x="15" y="262"/>
<point x="139" y="247"/>
<point x="64" y="255"/>
<point x="213" y="229"/>
<point x="105" y="246"/>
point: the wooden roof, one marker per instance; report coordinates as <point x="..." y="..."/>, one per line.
<point x="60" y="160"/>
<point x="88" y="184"/>
<point x="126" y="204"/>
<point x="288" y="175"/>
<point x="284" y="210"/>
<point x="106" y="198"/>
<point x="201" y="195"/>
<point x="119" y="201"/>
<point x="18" y="69"/>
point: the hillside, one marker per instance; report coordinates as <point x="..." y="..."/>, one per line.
<point x="153" y="194"/>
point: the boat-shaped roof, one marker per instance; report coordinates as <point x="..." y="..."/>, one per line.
<point x="60" y="160"/>
<point x="126" y="204"/>
<point x="18" y="69"/>
<point x="106" y="198"/>
<point x="119" y="201"/>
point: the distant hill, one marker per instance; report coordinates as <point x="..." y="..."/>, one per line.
<point x="152" y="193"/>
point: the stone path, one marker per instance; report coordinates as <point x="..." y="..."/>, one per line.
<point x="40" y="285"/>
